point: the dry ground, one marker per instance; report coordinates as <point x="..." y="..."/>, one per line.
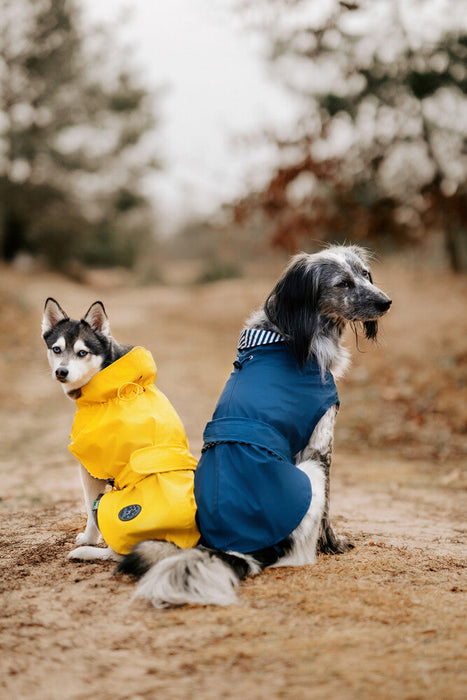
<point x="386" y="620"/>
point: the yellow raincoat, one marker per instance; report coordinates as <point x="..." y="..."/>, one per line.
<point x="125" y="429"/>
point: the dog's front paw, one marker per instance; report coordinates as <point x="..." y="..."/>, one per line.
<point x="83" y="538"/>
<point x="81" y="553"/>
<point x="94" y="554"/>
<point x="330" y="543"/>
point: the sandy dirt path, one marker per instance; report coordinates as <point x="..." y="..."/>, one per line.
<point x="386" y="620"/>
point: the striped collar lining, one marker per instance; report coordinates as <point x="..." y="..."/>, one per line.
<point x="251" y="337"/>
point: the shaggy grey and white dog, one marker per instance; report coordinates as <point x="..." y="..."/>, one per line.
<point x="309" y="308"/>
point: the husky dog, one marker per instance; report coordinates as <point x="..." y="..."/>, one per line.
<point x="76" y="351"/>
<point x="262" y="483"/>
<point x="125" y="433"/>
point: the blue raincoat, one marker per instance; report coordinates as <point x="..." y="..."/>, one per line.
<point x="249" y="493"/>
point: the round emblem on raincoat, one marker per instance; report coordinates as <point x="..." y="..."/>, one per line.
<point x="129" y="512"/>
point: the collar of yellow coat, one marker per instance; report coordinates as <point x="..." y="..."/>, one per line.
<point x="137" y="367"/>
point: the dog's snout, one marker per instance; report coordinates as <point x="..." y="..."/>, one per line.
<point x="384" y="304"/>
<point x="61" y="373"/>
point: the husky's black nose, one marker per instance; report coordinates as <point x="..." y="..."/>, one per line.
<point x="61" y="373"/>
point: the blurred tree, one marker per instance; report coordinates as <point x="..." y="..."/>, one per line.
<point x="72" y="124"/>
<point x="379" y="152"/>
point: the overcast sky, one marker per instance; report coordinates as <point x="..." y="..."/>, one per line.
<point x="218" y="88"/>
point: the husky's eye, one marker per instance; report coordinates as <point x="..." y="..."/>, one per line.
<point x="83" y="353"/>
<point x="345" y="284"/>
<point x="366" y="274"/>
<point x="56" y="350"/>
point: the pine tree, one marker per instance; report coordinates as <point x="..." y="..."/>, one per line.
<point x="72" y="120"/>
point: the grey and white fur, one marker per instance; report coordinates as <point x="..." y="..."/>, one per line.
<point x="310" y="306"/>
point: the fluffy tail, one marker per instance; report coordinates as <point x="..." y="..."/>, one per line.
<point x="174" y="576"/>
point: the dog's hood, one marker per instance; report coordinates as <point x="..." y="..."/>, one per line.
<point x="135" y="369"/>
<point x="125" y="426"/>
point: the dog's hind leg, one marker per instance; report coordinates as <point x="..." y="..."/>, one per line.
<point x="320" y="448"/>
<point x="304" y="538"/>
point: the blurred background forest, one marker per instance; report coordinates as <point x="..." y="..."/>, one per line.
<point x="375" y="151"/>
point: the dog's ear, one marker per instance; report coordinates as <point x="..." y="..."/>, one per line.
<point x="292" y="306"/>
<point x="53" y="314"/>
<point x="97" y="318"/>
